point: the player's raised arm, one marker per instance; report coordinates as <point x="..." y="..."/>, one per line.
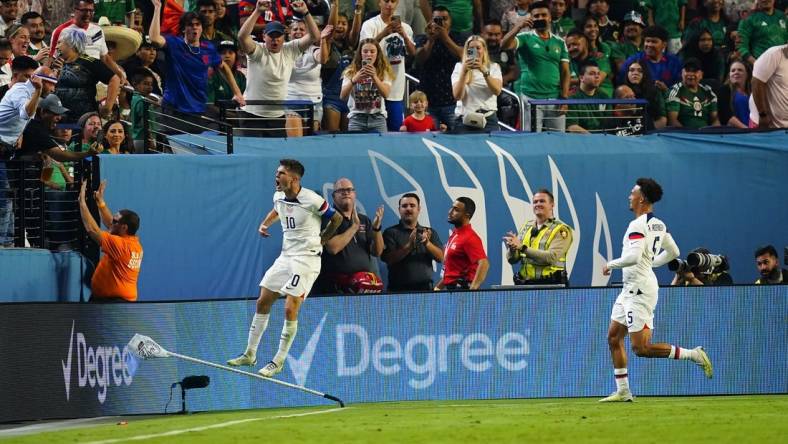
<point x="272" y="217"/>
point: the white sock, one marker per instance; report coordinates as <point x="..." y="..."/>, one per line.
<point x="285" y="341"/>
<point x="682" y="353"/>
<point x="256" y="330"/>
<point x="622" y="379"/>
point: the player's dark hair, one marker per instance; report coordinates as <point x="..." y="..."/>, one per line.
<point x="131" y="220"/>
<point x="650" y="189"/>
<point x="411" y="195"/>
<point x="293" y="166"/>
<point x="470" y="205"/>
<point x="201" y="3"/>
<point x="545" y="191"/>
<point x="766" y="249"/>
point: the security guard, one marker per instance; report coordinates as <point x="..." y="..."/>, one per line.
<point x="544" y="244"/>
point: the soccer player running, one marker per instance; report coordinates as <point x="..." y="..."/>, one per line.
<point x="295" y="270"/>
<point x="647" y="244"/>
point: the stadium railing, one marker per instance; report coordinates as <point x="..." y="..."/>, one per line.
<point x="631" y="122"/>
<point x="34" y="215"/>
<point x="416" y="81"/>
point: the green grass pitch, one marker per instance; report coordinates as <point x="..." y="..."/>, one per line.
<point x="719" y="419"/>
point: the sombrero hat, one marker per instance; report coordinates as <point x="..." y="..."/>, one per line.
<point x="126" y="39"/>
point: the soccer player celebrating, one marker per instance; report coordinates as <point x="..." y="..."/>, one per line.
<point x="297" y="267"/>
<point x="633" y="310"/>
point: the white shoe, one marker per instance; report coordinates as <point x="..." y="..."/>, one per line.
<point x="244" y="359"/>
<point x="704" y="362"/>
<point x="271" y="369"/>
<point x="623" y="396"/>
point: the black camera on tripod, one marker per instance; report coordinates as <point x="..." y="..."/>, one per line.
<point x="700" y="261"/>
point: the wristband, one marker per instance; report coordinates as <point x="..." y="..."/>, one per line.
<point x="377" y="229"/>
<point x="299" y="15"/>
<point x="102" y="205"/>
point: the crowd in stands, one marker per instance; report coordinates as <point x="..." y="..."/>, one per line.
<point x="694" y="61"/>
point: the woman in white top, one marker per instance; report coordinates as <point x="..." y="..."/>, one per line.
<point x="305" y="82"/>
<point x="367" y="82"/>
<point x="476" y="84"/>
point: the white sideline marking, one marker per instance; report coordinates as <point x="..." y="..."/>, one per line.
<point x="208" y="427"/>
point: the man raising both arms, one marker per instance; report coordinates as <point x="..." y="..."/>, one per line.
<point x="297" y="267"/>
<point x="633" y="310"/>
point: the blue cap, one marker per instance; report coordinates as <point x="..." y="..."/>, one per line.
<point x="274" y="27"/>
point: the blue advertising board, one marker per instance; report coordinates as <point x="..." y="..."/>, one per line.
<point x="446" y="346"/>
<point x="200" y="213"/>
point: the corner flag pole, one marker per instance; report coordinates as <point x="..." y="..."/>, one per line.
<point x="146" y="348"/>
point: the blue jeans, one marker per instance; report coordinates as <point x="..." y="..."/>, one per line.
<point x="443" y="114"/>
<point x="367" y="123"/>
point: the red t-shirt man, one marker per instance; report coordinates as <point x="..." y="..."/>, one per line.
<point x="465" y="263"/>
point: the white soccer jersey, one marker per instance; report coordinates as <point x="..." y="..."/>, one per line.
<point x="643" y="243"/>
<point x="300" y="220"/>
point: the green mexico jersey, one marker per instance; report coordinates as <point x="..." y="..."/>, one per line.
<point x="591" y="116"/>
<point x="718" y="30"/>
<point x="760" y="32"/>
<point x="694" y="108"/>
<point x="114" y="10"/>
<point x="542" y="59"/>
<point x="623" y="50"/>
<point x="667" y="14"/>
<point x="562" y="26"/>
<point x="461" y="13"/>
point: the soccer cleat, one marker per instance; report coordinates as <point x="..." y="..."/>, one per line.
<point x="271" y="369"/>
<point x="625" y="396"/>
<point x="244" y="359"/>
<point x="704" y="362"/>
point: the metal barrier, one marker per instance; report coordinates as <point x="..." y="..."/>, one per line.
<point x="636" y="127"/>
<point x="252" y="123"/>
<point x="409" y="78"/>
<point x="34" y="214"/>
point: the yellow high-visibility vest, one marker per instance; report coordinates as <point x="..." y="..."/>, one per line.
<point x="541" y="241"/>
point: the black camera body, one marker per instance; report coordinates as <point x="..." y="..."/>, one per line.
<point x="678" y="266"/>
<point x="438" y="21"/>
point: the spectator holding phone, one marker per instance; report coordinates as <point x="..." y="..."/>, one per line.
<point x="438" y="52"/>
<point x="396" y="41"/>
<point x="476" y="84"/>
<point x="366" y="83"/>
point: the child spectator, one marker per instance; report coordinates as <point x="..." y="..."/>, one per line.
<point x="218" y="88"/>
<point x="419" y="121"/>
<point x="142" y="80"/>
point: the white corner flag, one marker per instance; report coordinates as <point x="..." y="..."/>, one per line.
<point x="146" y="348"/>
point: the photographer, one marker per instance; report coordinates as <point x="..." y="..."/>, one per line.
<point x="768" y="264"/>
<point x="438" y="51"/>
<point x="701" y="268"/>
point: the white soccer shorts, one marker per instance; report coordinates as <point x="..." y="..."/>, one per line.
<point x="635" y="309"/>
<point x="292" y="275"/>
